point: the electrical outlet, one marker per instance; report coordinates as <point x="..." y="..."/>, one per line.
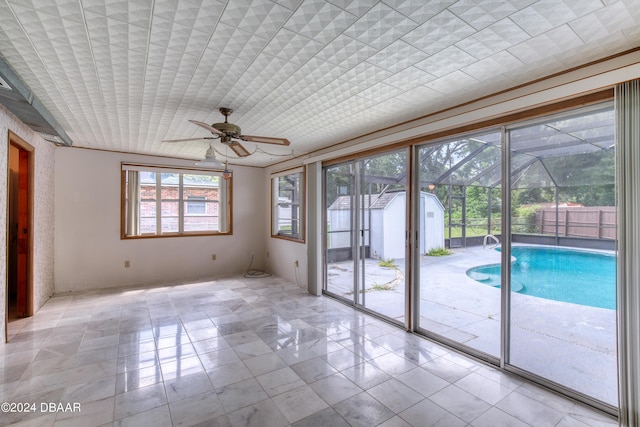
<point x="296" y="263"/>
<point x="213" y="257"/>
<point x="127" y="264"/>
<point x="267" y="254"/>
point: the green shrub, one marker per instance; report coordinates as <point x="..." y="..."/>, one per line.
<point x="439" y="252"/>
<point x="525" y="219"/>
<point x="387" y="263"/>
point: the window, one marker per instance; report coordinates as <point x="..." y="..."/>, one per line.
<point x="196" y="205"/>
<point x="287" y="203"/>
<point x="160" y="201"/>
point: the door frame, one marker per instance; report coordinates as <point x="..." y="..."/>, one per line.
<point x="28" y="151"/>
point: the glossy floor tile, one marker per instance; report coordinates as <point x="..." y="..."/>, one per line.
<point x="250" y="352"/>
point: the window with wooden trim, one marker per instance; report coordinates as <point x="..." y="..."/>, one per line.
<point x="162" y="202"/>
<point x="288" y="205"/>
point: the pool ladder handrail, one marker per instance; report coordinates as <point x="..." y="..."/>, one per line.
<point x="484" y="244"/>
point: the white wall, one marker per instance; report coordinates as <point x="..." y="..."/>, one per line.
<point x="433" y="227"/>
<point x="394" y="226"/>
<point x="43" y="201"/>
<point x="282" y="257"/>
<point x="89" y="253"/>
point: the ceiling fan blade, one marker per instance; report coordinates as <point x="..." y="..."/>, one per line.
<point x="238" y="149"/>
<point x="207" y="127"/>
<point x="188" y="139"/>
<point x="265" y="139"/>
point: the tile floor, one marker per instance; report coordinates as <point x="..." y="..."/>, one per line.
<point x="250" y="352"/>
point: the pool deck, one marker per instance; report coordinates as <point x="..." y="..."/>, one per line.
<point x="570" y="344"/>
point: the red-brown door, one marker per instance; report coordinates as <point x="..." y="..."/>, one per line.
<point x="22" y="259"/>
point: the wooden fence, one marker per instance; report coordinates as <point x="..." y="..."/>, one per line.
<point x="597" y="222"/>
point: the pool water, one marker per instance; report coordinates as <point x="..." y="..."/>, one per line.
<point x="568" y="275"/>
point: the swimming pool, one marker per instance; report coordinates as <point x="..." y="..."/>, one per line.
<point x="568" y="275"/>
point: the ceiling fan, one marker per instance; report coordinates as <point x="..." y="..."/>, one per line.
<point x="228" y="133"/>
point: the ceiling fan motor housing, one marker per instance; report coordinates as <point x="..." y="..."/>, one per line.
<point x="228" y="128"/>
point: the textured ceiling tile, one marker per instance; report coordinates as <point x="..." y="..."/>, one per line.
<point x="289" y="4"/>
<point x="132" y="12"/>
<point x="260" y="17"/>
<point x="233" y="40"/>
<point x="546" y="45"/>
<point x="547" y="14"/>
<point x="446" y="61"/>
<point x="337" y="91"/>
<point x="502" y="63"/>
<point x="495" y="38"/>
<point x="195" y="44"/>
<point x="319" y="20"/>
<point x="191" y="13"/>
<point x="409" y="78"/>
<point x="95" y="6"/>
<point x="397" y="56"/>
<point x="482" y="13"/>
<point x="68" y="9"/>
<point x="421" y="96"/>
<point x="419" y="11"/>
<point x="318" y="73"/>
<point x="438" y="33"/>
<point x="453" y="82"/>
<point x="292" y="46"/>
<point x="381" y="92"/>
<point x="98" y="28"/>
<point x="160" y="32"/>
<point x="603" y="22"/>
<point x="117" y="9"/>
<point x="380" y="26"/>
<point x="156" y="55"/>
<point x="365" y="74"/>
<point x="264" y="75"/>
<point x="355" y="7"/>
<point x="345" y="52"/>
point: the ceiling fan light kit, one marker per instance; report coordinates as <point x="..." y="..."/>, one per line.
<point x="210" y="160"/>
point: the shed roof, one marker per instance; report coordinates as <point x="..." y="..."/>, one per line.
<point x="373" y="201"/>
<point x="376" y="201"/>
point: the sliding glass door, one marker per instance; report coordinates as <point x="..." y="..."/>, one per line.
<point x="512" y="243"/>
<point x="365" y="233"/>
<point x="562" y="246"/>
<point x="458" y="222"/>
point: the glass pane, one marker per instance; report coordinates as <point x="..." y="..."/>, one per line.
<point x="563" y="273"/>
<point x="201" y="216"/>
<point x="339" y="202"/>
<point x="147" y="202"/>
<point x="201" y="197"/>
<point x="459" y="229"/>
<point x="169" y="206"/>
<point x="383" y="202"/>
<point x="287" y="205"/>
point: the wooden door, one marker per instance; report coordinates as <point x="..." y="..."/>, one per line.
<point x="22" y="258"/>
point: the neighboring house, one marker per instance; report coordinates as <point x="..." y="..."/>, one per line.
<point x="200" y="204"/>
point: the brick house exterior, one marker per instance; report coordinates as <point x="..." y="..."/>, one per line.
<point x="201" y="207"/>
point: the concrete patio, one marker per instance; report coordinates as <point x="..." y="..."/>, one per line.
<point x="572" y="345"/>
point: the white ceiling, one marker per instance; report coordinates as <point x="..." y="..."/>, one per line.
<point x="124" y="75"/>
